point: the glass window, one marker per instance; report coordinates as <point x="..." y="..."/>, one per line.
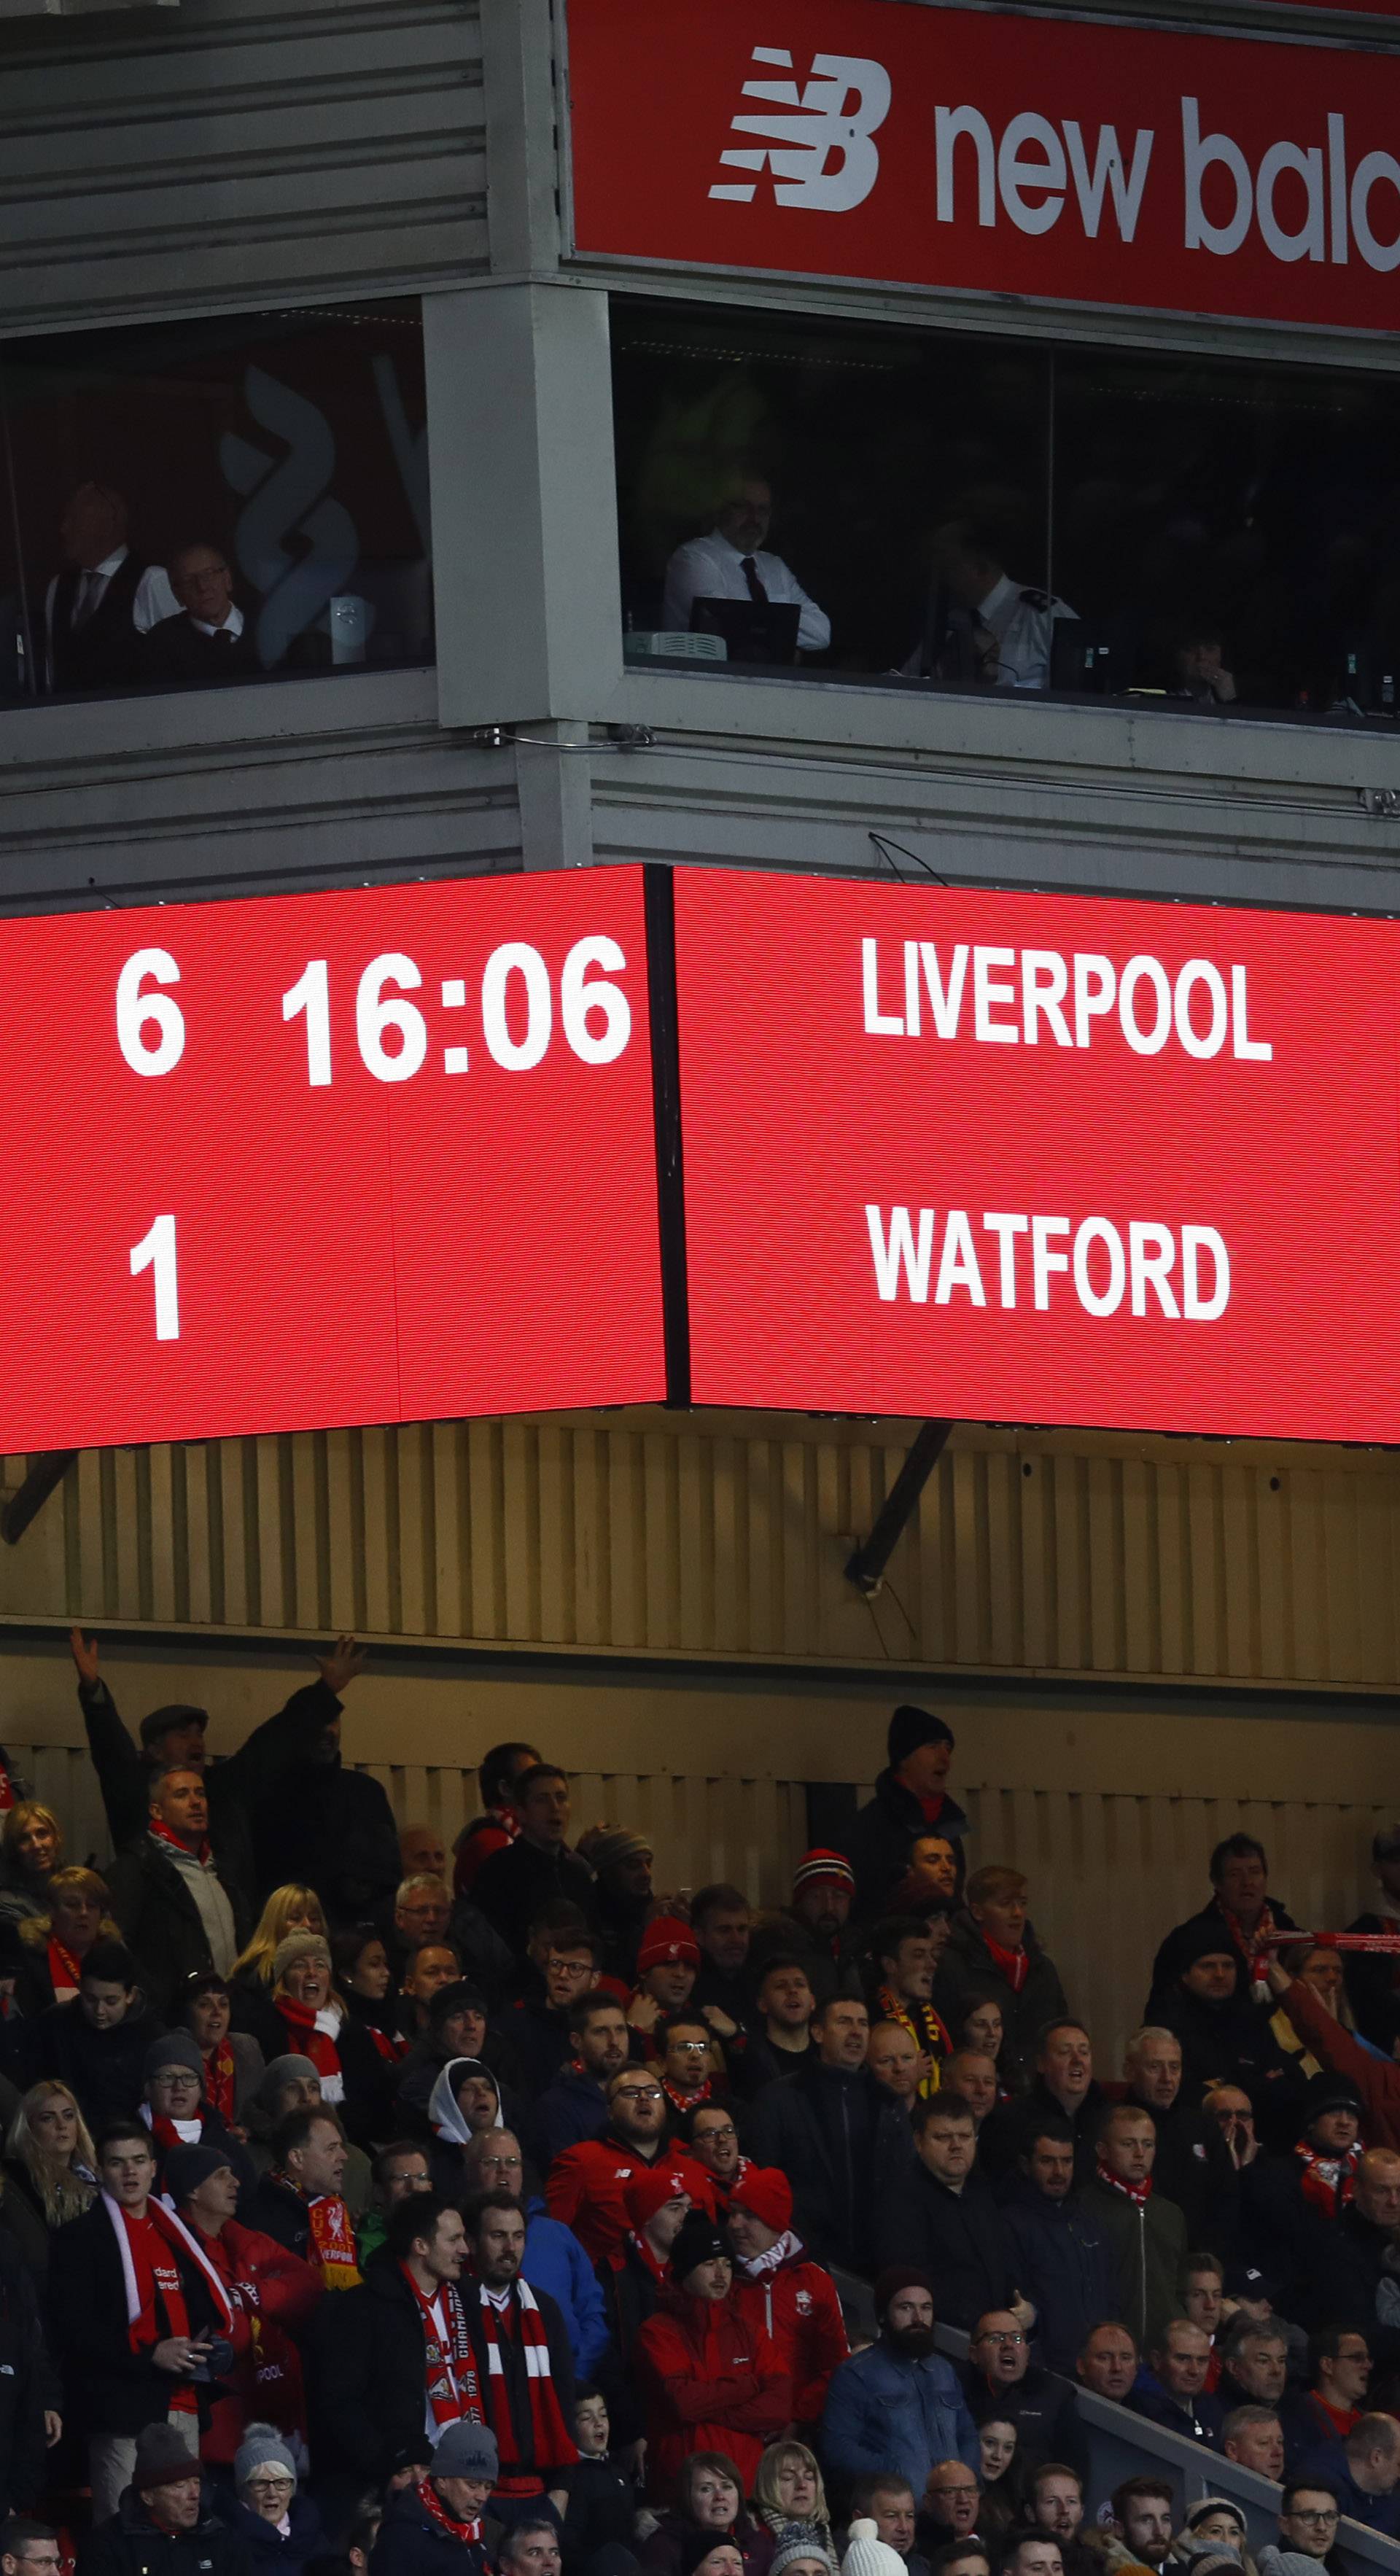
<point x="939" y="510"/>
<point x="209" y="501"/>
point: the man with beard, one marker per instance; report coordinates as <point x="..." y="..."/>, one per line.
<point x="779" y="2038"/>
<point x="575" y="2106"/>
<point x="723" y="1926"/>
<point x="586" y="2185"/>
<point x="1142" y="2520"/>
<point x="813" y="1928"/>
<point x="1060" y="2252"/>
<point x="898" y="2404"/>
<point x="621" y="1862"/>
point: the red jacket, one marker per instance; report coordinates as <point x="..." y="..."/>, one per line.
<point x="1376" y="2080"/>
<point x="710" y="2381"/>
<point x="798" y="2308"/>
<point x="585" y="2185"/>
<point x="272" y="2293"/>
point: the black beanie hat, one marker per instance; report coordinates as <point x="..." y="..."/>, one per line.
<point x="697" y="2240"/>
<point x="1328" y="2092"/>
<point x="1204" y="1937"/>
<point x="696" y="2544"/>
<point x="910" y="1727"/>
<point x="187" y="2167"/>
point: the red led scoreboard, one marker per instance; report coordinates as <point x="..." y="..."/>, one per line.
<point x="329" y="1158"/>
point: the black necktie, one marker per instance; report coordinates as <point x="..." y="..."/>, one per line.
<point x="749" y="569"/>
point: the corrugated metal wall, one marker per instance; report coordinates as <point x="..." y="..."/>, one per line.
<point x="1053" y="1552"/>
<point x="244" y="150"/>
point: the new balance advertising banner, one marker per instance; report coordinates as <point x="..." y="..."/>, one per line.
<point x="1040" y="1158"/>
<point x="1020" y="155"/>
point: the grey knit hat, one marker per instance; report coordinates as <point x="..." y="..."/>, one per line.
<point x="467" y="2451"/>
<point x="173" y="2048"/>
<point x="262" y="2447"/>
<point x="798" y="2540"/>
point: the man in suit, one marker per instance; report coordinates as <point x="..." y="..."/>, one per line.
<point x="105" y="599"/>
<point x="207" y="641"/>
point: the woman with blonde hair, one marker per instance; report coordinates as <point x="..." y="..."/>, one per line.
<point x="57" y="1941"/>
<point x="788" y="2488"/>
<point x="289" y="1909"/>
<point x="31" y="1849"/>
<point x="50" y="2167"/>
<point x="313" y="2023"/>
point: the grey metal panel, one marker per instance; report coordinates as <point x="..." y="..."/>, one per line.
<point x="238" y="151"/>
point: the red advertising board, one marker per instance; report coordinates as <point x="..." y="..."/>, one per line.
<point x="1039" y="1158"/>
<point x="1090" y="163"/>
<point x="360" y="1157"/>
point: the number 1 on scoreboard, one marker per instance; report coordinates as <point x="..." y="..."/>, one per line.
<point x="156" y="1251"/>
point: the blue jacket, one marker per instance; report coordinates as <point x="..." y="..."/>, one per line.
<point x="1064" y="2264"/>
<point x="566" y="2114"/>
<point x="268" y="2553"/>
<point x="885" y="2413"/>
<point x="555" y="2261"/>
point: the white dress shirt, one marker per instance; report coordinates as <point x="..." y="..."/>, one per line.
<point x="154" y="597"/>
<point x="232" y="625"/>
<point x="711" y="568"/>
<point x="1022" y="621"/>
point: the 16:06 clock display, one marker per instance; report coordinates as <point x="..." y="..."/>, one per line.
<point x="374" y="1156"/>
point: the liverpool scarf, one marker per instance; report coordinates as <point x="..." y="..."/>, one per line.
<point x="220" y="2082"/>
<point x="1139" y="2193"/>
<point x="150" y="2248"/>
<point x="331" y="2251"/>
<point x="453" y="2392"/>
<point x="681" y="2102"/>
<point x="1328" y="2181"/>
<point x="1254" y="1948"/>
<point x="64" y="1970"/>
<point x="313" y="2035"/>
<point x="1014" y="1964"/>
<point x="551" y="2445"/>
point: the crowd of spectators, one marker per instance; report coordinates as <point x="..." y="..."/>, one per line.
<point x="391" y="2212"/>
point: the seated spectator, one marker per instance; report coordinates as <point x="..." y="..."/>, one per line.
<point x="206" y="641"/>
<point x="29" y="2548"/>
<point x="788" y="2489"/>
<point x="813" y="1928"/>
<point x="1340" y="2360"/>
<point x="364" y="1980"/>
<point x="1000" y="2378"/>
<point x="164" y="2518"/>
<point x="705" y="2371"/>
<point x="899" y="2065"/>
<point x="668" y="1962"/>
<point x="1170" y="2393"/>
<point x="515" y="1882"/>
<point x="178" y="1893"/>
<point x="393" y="2363"/>
<point x="983" y="625"/>
<point x="1029" y="2553"/>
<point x="886" y="2500"/>
<point x="1061" y="2254"/>
<point x="264" y="2296"/>
<point x="1193" y="2165"/>
<point x="280" y="2528"/>
<point x="105" y="597"/>
<point x="1241" y="1908"/>
<point x="575" y="2105"/>
<point x="974" y="2079"/>
<point x="941" y="2216"/>
<point x="1198" y="668"/>
<point x="730" y="563"/>
<point x="554" y="2259"/>
<point x="97" y="2044"/>
<point x="232" y="2061"/>
<point x="1366" y="2477"/>
<point x="31" y="1849"/>
<point x="135" y="2316"/>
<point x="50" y="2169"/>
<point x="585" y="2186"/>
<point x="1054" y="2495"/>
<point x="537" y="2030"/>
<point x="911" y="1801"/>
<point x="315" y="2024"/>
<point x="622" y="1896"/>
<point x="1213" y="2539"/>
<point x="399" y="2168"/>
<point x="1147" y="2232"/>
<point x="780" y="2038"/>
<point x="442" y="2513"/>
<point x="951" y="2505"/>
<point x="780" y="2288"/>
<point x="999" y="2506"/>
<point x="1108" y="2362"/>
<point x="707" y="2133"/>
<point x="300" y="2200"/>
<point x="1308" y="2516"/>
<point x="525" y="2370"/>
<point x="602" y="2498"/>
<point x="993" y="1951"/>
<point x="898" y="2406"/>
<point x="530" y="2545"/>
<point x="1370" y="1976"/>
<point x="173" y="2107"/>
<point x="724" y="1988"/>
<point x="1062" y="2087"/>
<point x="288" y="1909"/>
<point x="1253" y="2437"/>
<point x="709" y="2505"/>
<point x="903" y="1949"/>
<point x="497" y="1827"/>
<point x="842" y="2141"/>
<point x="1141" y="2522"/>
<point x="55" y="1943"/>
<point x="466" y="2100"/>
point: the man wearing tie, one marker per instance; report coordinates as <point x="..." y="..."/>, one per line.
<point x="207" y="641"/>
<point x="730" y="564"/>
<point x="103" y="600"/>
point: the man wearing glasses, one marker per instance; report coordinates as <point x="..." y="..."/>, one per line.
<point x="1307" y="2528"/>
<point x="1000" y="2379"/>
<point x="587" y="2185"/>
<point x="537" y="2029"/>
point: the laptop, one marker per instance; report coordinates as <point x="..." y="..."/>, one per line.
<point x="753" y="632"/>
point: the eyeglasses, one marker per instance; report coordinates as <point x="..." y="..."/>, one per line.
<point x="711" y="2137"/>
<point x="691" y="2047"/>
<point x="574" y="1968"/>
<point x="1001" y="2334"/>
<point x="968" y="2490"/>
<point x="638" y="2093"/>
<point x="1315" y="2513"/>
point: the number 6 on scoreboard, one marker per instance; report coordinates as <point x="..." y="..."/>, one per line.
<point x="156" y="1251"/>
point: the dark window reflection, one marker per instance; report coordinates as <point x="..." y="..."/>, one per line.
<point x="937" y="510"/>
<point x="214" y="501"/>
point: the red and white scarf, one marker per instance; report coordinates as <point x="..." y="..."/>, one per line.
<point x="314" y="2035"/>
<point x="64" y="1970"/>
<point x="453" y="2391"/>
<point x="170" y="2133"/>
<point x="1014" y="1964"/>
<point x="681" y="2102"/>
<point x="1253" y="1947"/>
<point x="150" y="2249"/>
<point x="551" y="2442"/>
<point x="221" y="2082"/>
<point x="1328" y="2181"/>
<point x="160" y="1832"/>
<point x="466" y="2534"/>
<point x="1139" y="2193"/>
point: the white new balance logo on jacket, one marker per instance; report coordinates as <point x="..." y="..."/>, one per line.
<point x="818" y="147"/>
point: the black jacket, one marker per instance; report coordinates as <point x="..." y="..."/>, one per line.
<point x="515" y="1885"/>
<point x="1373" y="1986"/>
<point x="1064" y="2264"/>
<point x="1006" y="2132"/>
<point x="332" y="1828"/>
<point x="879" y="1842"/>
<point x="160" y="1919"/>
<point x="101" y="653"/>
<point x="1191" y="2417"/>
<point x="130" y="2545"/>
<point x="411" y="2543"/>
<point x="1194" y="2167"/>
<point x="115" y="2389"/>
<point x="602" y="2506"/>
<point x="1232" y="2043"/>
<point x="517" y="2383"/>
<point x="843" y="2143"/>
<point x="177" y="653"/>
<point x="958" y="2236"/>
<point x="1209" y="1918"/>
<point x="366" y="2375"/>
<point x="105" y="2068"/>
<point x="1040" y="2406"/>
<point x="236" y="1788"/>
<point x="968" y="1975"/>
<point x="28" y="2383"/>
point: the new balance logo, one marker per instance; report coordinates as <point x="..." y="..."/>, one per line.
<point x="817" y="145"/>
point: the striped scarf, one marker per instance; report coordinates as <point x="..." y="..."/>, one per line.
<point x="1328" y="2181"/>
<point x="551" y="2444"/>
<point x="454" y="2396"/>
<point x="925" y="2027"/>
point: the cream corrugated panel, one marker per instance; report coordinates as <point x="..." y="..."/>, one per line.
<point x="720" y="1535"/>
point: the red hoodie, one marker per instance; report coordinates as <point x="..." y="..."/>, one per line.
<point x="586" y="2189"/>
<point x="797" y="2307"/>
<point x="710" y="2381"/>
